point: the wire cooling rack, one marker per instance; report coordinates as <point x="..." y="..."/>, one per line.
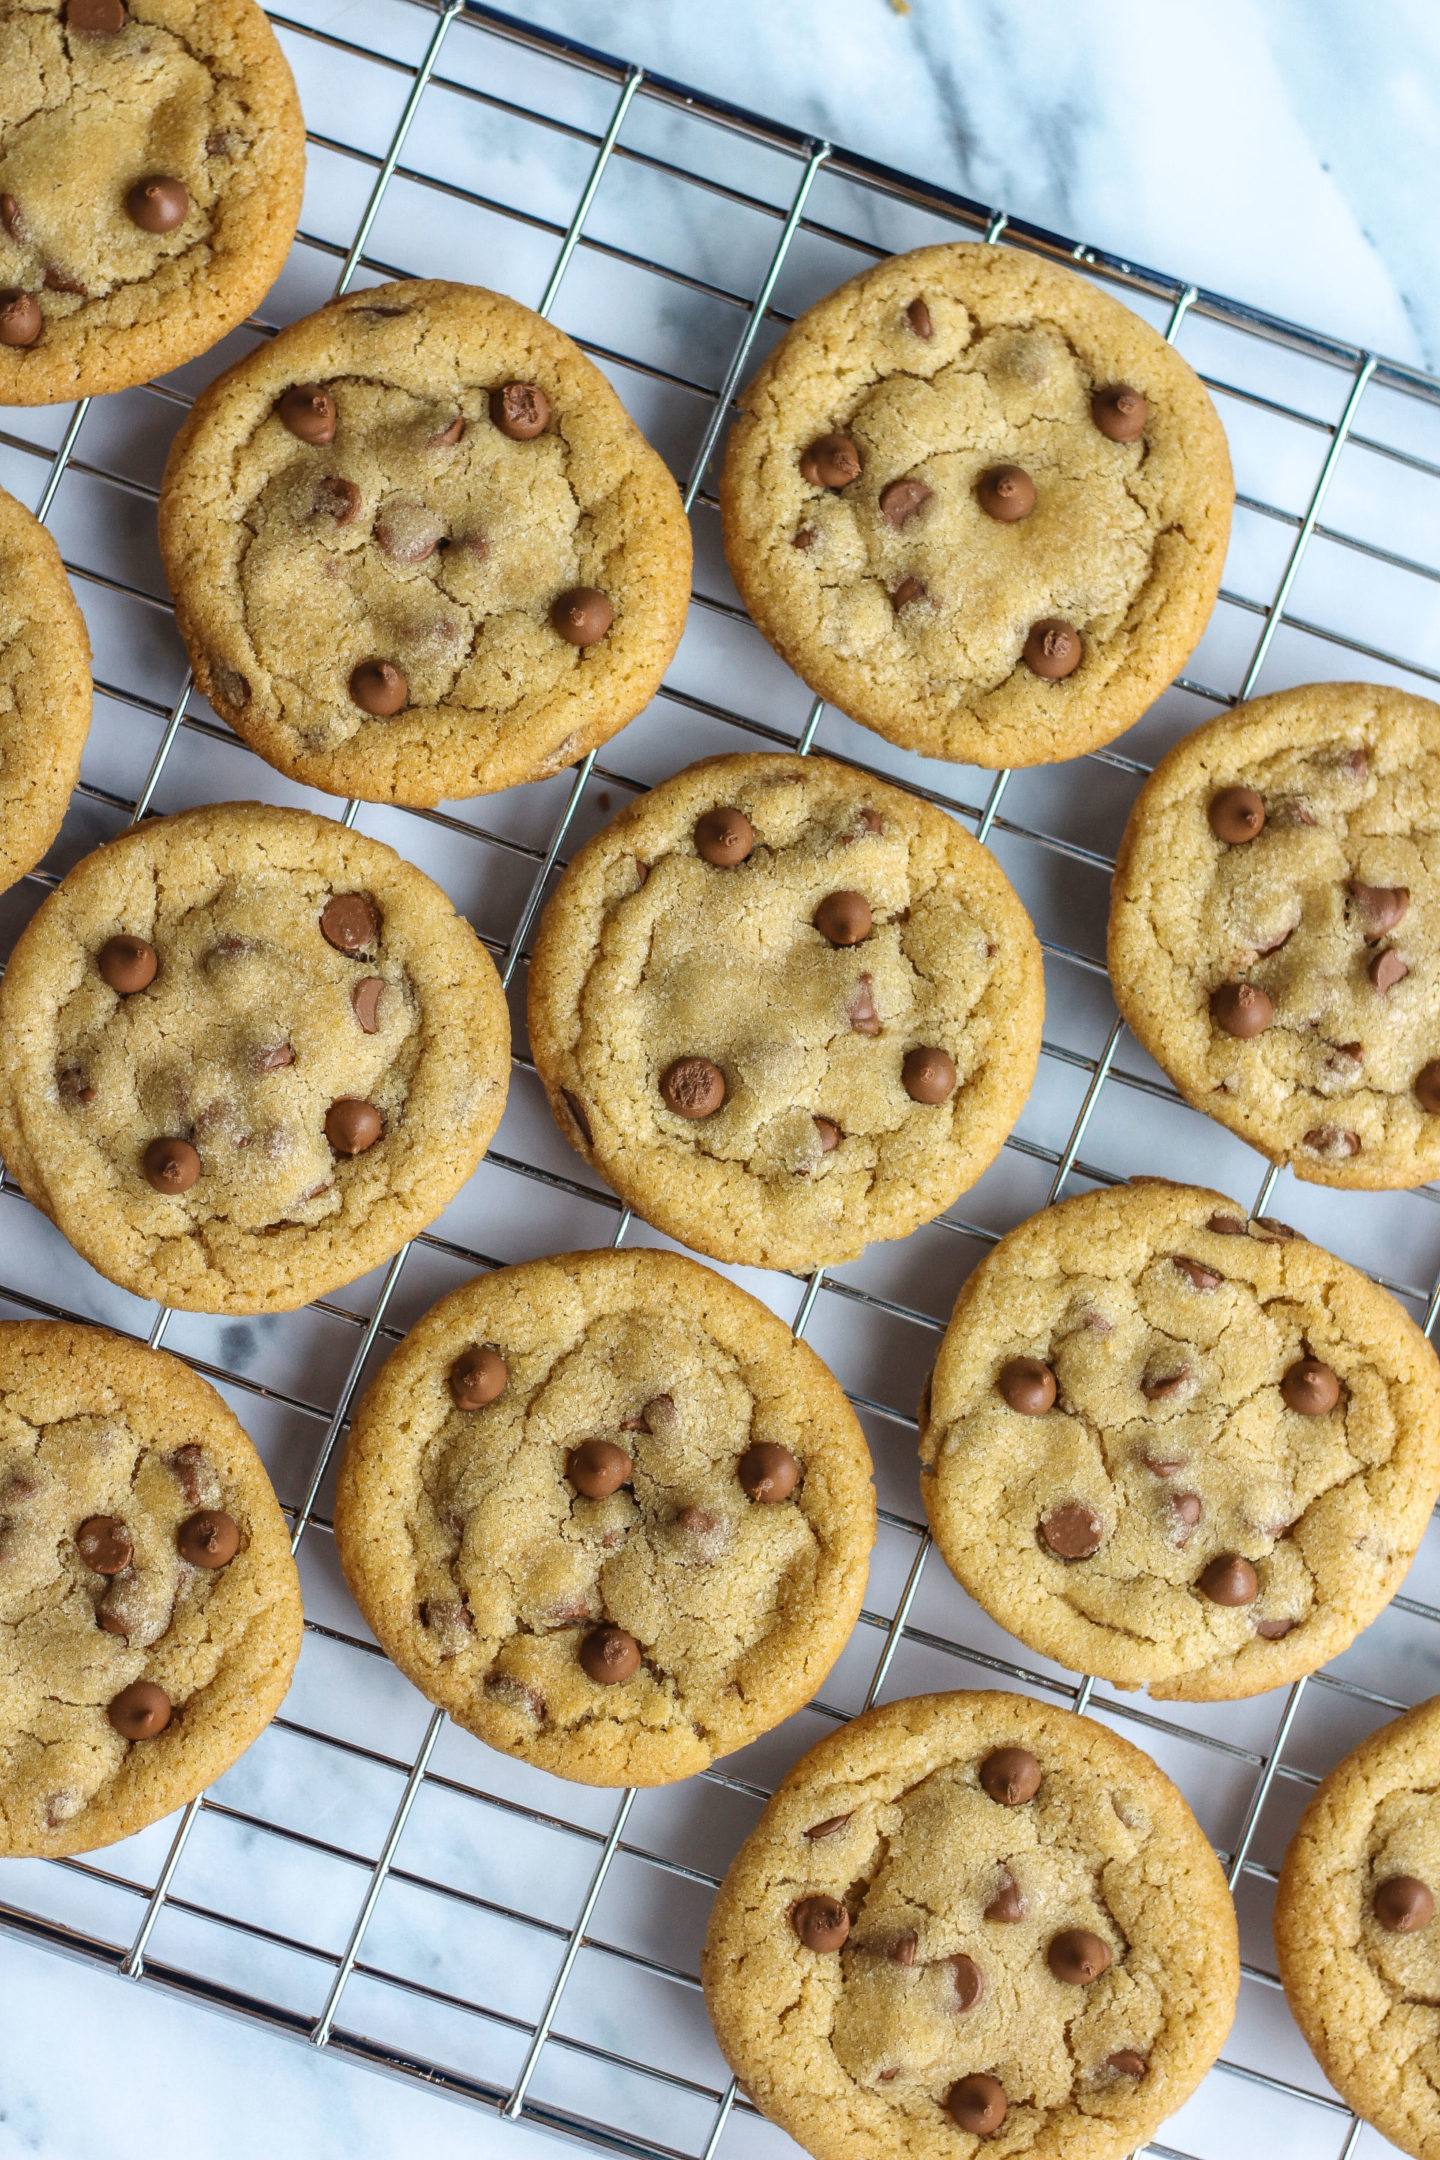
<point x="368" y="1878"/>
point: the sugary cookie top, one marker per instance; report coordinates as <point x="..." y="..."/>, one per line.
<point x="978" y="504"/>
<point x="419" y="548"/>
<point x="1275" y="928"/>
<point x="236" y="1037"/>
<point x="967" y="1918"/>
<point x="146" y="1588"/>
<point x="1167" y="1444"/>
<point x="786" y="1008"/>
<point x="607" y="1512"/>
<point x="44" y="690"/>
<point x="142" y="147"/>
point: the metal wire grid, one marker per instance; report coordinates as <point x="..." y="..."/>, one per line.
<point x="710" y="2108"/>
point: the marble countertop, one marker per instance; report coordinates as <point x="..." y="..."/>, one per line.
<point x="1284" y="151"/>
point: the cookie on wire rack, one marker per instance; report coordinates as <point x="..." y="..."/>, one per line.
<point x="45" y="690"/>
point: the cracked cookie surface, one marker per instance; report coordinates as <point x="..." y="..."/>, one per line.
<point x="1358" y="1943"/>
<point x="861" y="982"/>
<point x="117" y="1461"/>
<point x="1165" y="1444"/>
<point x="104" y="286"/>
<point x="413" y="521"/>
<point x="902" y="575"/>
<point x="45" y="690"/>
<point x="644" y="1546"/>
<point x="1031" y="1947"/>
<point x="1275" y="929"/>
<point x="244" y="1054"/>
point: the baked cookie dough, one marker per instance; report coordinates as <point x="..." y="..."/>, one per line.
<point x="607" y="1512"/>
<point x="419" y="550"/>
<point x="785" y="1009"/>
<point x="1275" y="929"/>
<point x="152" y="157"/>
<point x="45" y="690"/>
<point x="149" y="1606"/>
<point x="972" y="1922"/>
<point x="244" y="1054"/>
<point x="978" y="505"/>
<point x="1163" y="1443"/>
<point x="1356" y="1933"/>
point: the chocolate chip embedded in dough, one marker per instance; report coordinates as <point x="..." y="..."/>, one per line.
<point x="829" y="1134"/>
<point x="74" y="1086"/>
<point x="158" y="203"/>
<point x="104" y="1544"/>
<point x="903" y="500"/>
<point x="365" y="1002"/>
<point x="1073" y="1531"/>
<point x="20" y="319"/>
<point x="918" y="317"/>
<point x="95" y="18"/>
<point x="446" y="438"/>
<point x="768" y="1473"/>
<point x="62" y="281"/>
<point x="1243" y="1010"/>
<point x="969" y="1981"/>
<point x="822" y="1923"/>
<point x="1381" y="908"/>
<point x="1229" y="1580"/>
<point x="698" y="1521"/>
<point x="724" y="836"/>
<point x="1078" y="1957"/>
<point x="1404" y="1905"/>
<point x="1274" y="1630"/>
<point x="1127" y="2063"/>
<point x="1008" y="1905"/>
<point x="273" y="1058"/>
<point x="13" y="220"/>
<point x="379" y="687"/>
<point x="582" y="616"/>
<point x="977" y="2104"/>
<point x="170" y="1165"/>
<point x="335" y="497"/>
<point x="1196" y="1273"/>
<point x="1336" y="1140"/>
<point x="140" y="1711"/>
<point x="1236" y="815"/>
<point x="1386" y="970"/>
<point x="693" y="1088"/>
<point x="844" y="918"/>
<point x="860" y="1010"/>
<point x="520" y="410"/>
<point x="1028" y="1385"/>
<point x="831" y="461"/>
<point x="478" y="1376"/>
<point x="900" y="1950"/>
<point x="1006" y="493"/>
<point x="407" y="530"/>
<point x="804" y="538"/>
<point x="1159" y="1387"/>
<point x="210" y="1539"/>
<point x="1053" y="649"/>
<point x="1011" y="1775"/>
<point x="1188" y="1508"/>
<point x="1120" y="412"/>
<point x="831" y="1827"/>
<point x="1311" y="1387"/>
<point x="906" y="593"/>
<point x="128" y="964"/>
<point x="1226" y="1225"/>
<point x="928" y="1074"/>
<point x="352" y="1125"/>
<point x="308" y="410"/>
<point x="598" y="1468"/>
<point x="609" y="1655"/>
<point x="350" y="921"/>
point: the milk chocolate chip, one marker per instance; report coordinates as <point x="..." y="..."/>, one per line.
<point x="1241" y="1009"/>
<point x="1427" y="1088"/>
<point x="1053" y="649"/>
<point x="597" y="1468"/>
<point x="968" y="1978"/>
<point x="828" y="1133"/>
<point x="977" y="2104"/>
<point x="104" y="1544"/>
<point x="1127" y="2062"/>
<point x="918" y="317"/>
<point x="477" y="1377"/>
<point x="379" y="687"/>
<point x="768" y="1472"/>
<point x="95" y="18"/>
<point x="1310" y="1387"/>
<point x="582" y="616"/>
<point x="832" y="461"/>
<point x="903" y="500"/>
<point x="157" y="204"/>
<point x="609" y="1655"/>
<point x="1073" y="1532"/>
<point x="335" y="497"/>
<point x="1120" y="412"/>
<point x="928" y="1074"/>
<point x="1006" y="493"/>
<point x="1236" y="815"/>
<point x="1229" y="1580"/>
<point x="308" y="411"/>
<point x="844" y="918"/>
<point x="1386" y="970"/>
<point x="1027" y="1385"/>
<point x="210" y="1539"/>
<point x="831" y="1827"/>
<point x="1011" y="1775"/>
<point x="365" y="1002"/>
<point x="520" y="410"/>
<point x="822" y="1923"/>
<point x="170" y="1165"/>
<point x="140" y="1711"/>
<point x="128" y="964"/>
<point x="906" y="593"/>
<point x="1404" y="1905"/>
<point x="20" y="319"/>
<point x="724" y="836"/>
<point x="407" y="531"/>
<point x="1078" y="1957"/>
<point x="1008" y="1905"/>
<point x="1381" y="908"/>
<point x="349" y="922"/>
<point x="693" y="1087"/>
<point x="352" y="1126"/>
<point x="1196" y="1273"/>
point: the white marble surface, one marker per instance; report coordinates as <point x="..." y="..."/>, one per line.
<point x="1282" y="150"/>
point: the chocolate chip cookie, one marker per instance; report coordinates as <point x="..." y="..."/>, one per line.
<point x="419" y="550"/>
<point x="978" y="505"/>
<point x="244" y="1054"/>
<point x="607" y="1512"/>
<point x="44" y="690"/>
<point x="1166" y="1443"/>
<point x="152" y="157"/>
<point x="149" y="1606"/>
<point x="1275" y="929"/>
<point x="970" y="1922"/>
<point x="785" y="1009"/>
<point x="1356" y="1933"/>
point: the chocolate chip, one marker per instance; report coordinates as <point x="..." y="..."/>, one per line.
<point x="697" y="1521"/>
<point x="309" y="412"/>
<point x="968" y="1978"/>
<point x="977" y="2104"/>
<point x="900" y="1950"/>
<point x="906" y="593"/>
<point x="1164" y="1466"/>
<point x="768" y="1472"/>
<point x="188" y="1465"/>
<point x="724" y="836"/>
<point x="1028" y="1385"/>
<point x="379" y="687"/>
<point x="95" y="18"/>
<point x="1007" y="1906"/>
<point x="582" y="616"/>
<point x="59" y="280"/>
<point x="104" y="1544"/>
<point x="597" y="1468"/>
<point x="609" y="1655"/>
<point x="1011" y="1775"/>
<point x="831" y="1827"/>
<point x="1073" y="1531"/>
<point x="1120" y="412"/>
<point x="74" y="1087"/>
<point x="1188" y="1508"/>
<point x="350" y="921"/>
<point x="903" y="500"/>
<point x="1226" y="1225"/>
<point x="693" y="1088"/>
<point x="128" y="964"/>
<point x="365" y="1002"/>
<point x="520" y="410"/>
<point x="210" y="1539"/>
<point x="918" y="317"/>
<point x="1335" y="1140"/>
<point x="12" y="220"/>
<point x="829" y="1134"/>
<point x="1127" y="2062"/>
<point x="1236" y="814"/>
<point x="1229" y="1580"/>
<point x="158" y="203"/>
<point x="1158" y="1387"/>
<point x="20" y="319"/>
<point x="805" y="538"/>
<point x="1007" y="494"/>
<point x="1310" y="1387"/>
<point x="928" y="1074"/>
<point x="1427" y="1089"/>
<point x="407" y="531"/>
<point x="1077" y="1957"/>
<point x="446" y="438"/>
<point x="1196" y="1273"/>
<point x="477" y="1377"/>
<point x="831" y="461"/>
<point x="140" y="1711"/>
<point x="1404" y="1905"/>
<point x="844" y="918"/>
<point x="577" y="1111"/>
<point x="1269" y="1231"/>
<point x="335" y="497"/>
<point x="1053" y="649"/>
<point x="170" y="1165"/>
<point x="1386" y="970"/>
<point x="1381" y="907"/>
<point x="822" y="1923"/>
<point x="1241" y="1009"/>
<point x="1274" y="1630"/>
<point x="352" y="1125"/>
<point x="860" y="1011"/>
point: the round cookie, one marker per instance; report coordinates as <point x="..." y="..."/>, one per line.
<point x="1165" y="1444"/>
<point x="419" y="550"/>
<point x="1355" y="1929"/>
<point x="45" y="690"/>
<point x="972" y="1922"/>
<point x="244" y="1054"/>
<point x="978" y="505"/>
<point x="152" y="156"/>
<point x="785" y="1008"/>
<point x="149" y="1607"/>
<point x="606" y="1511"/>
<point x="1275" y="929"/>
